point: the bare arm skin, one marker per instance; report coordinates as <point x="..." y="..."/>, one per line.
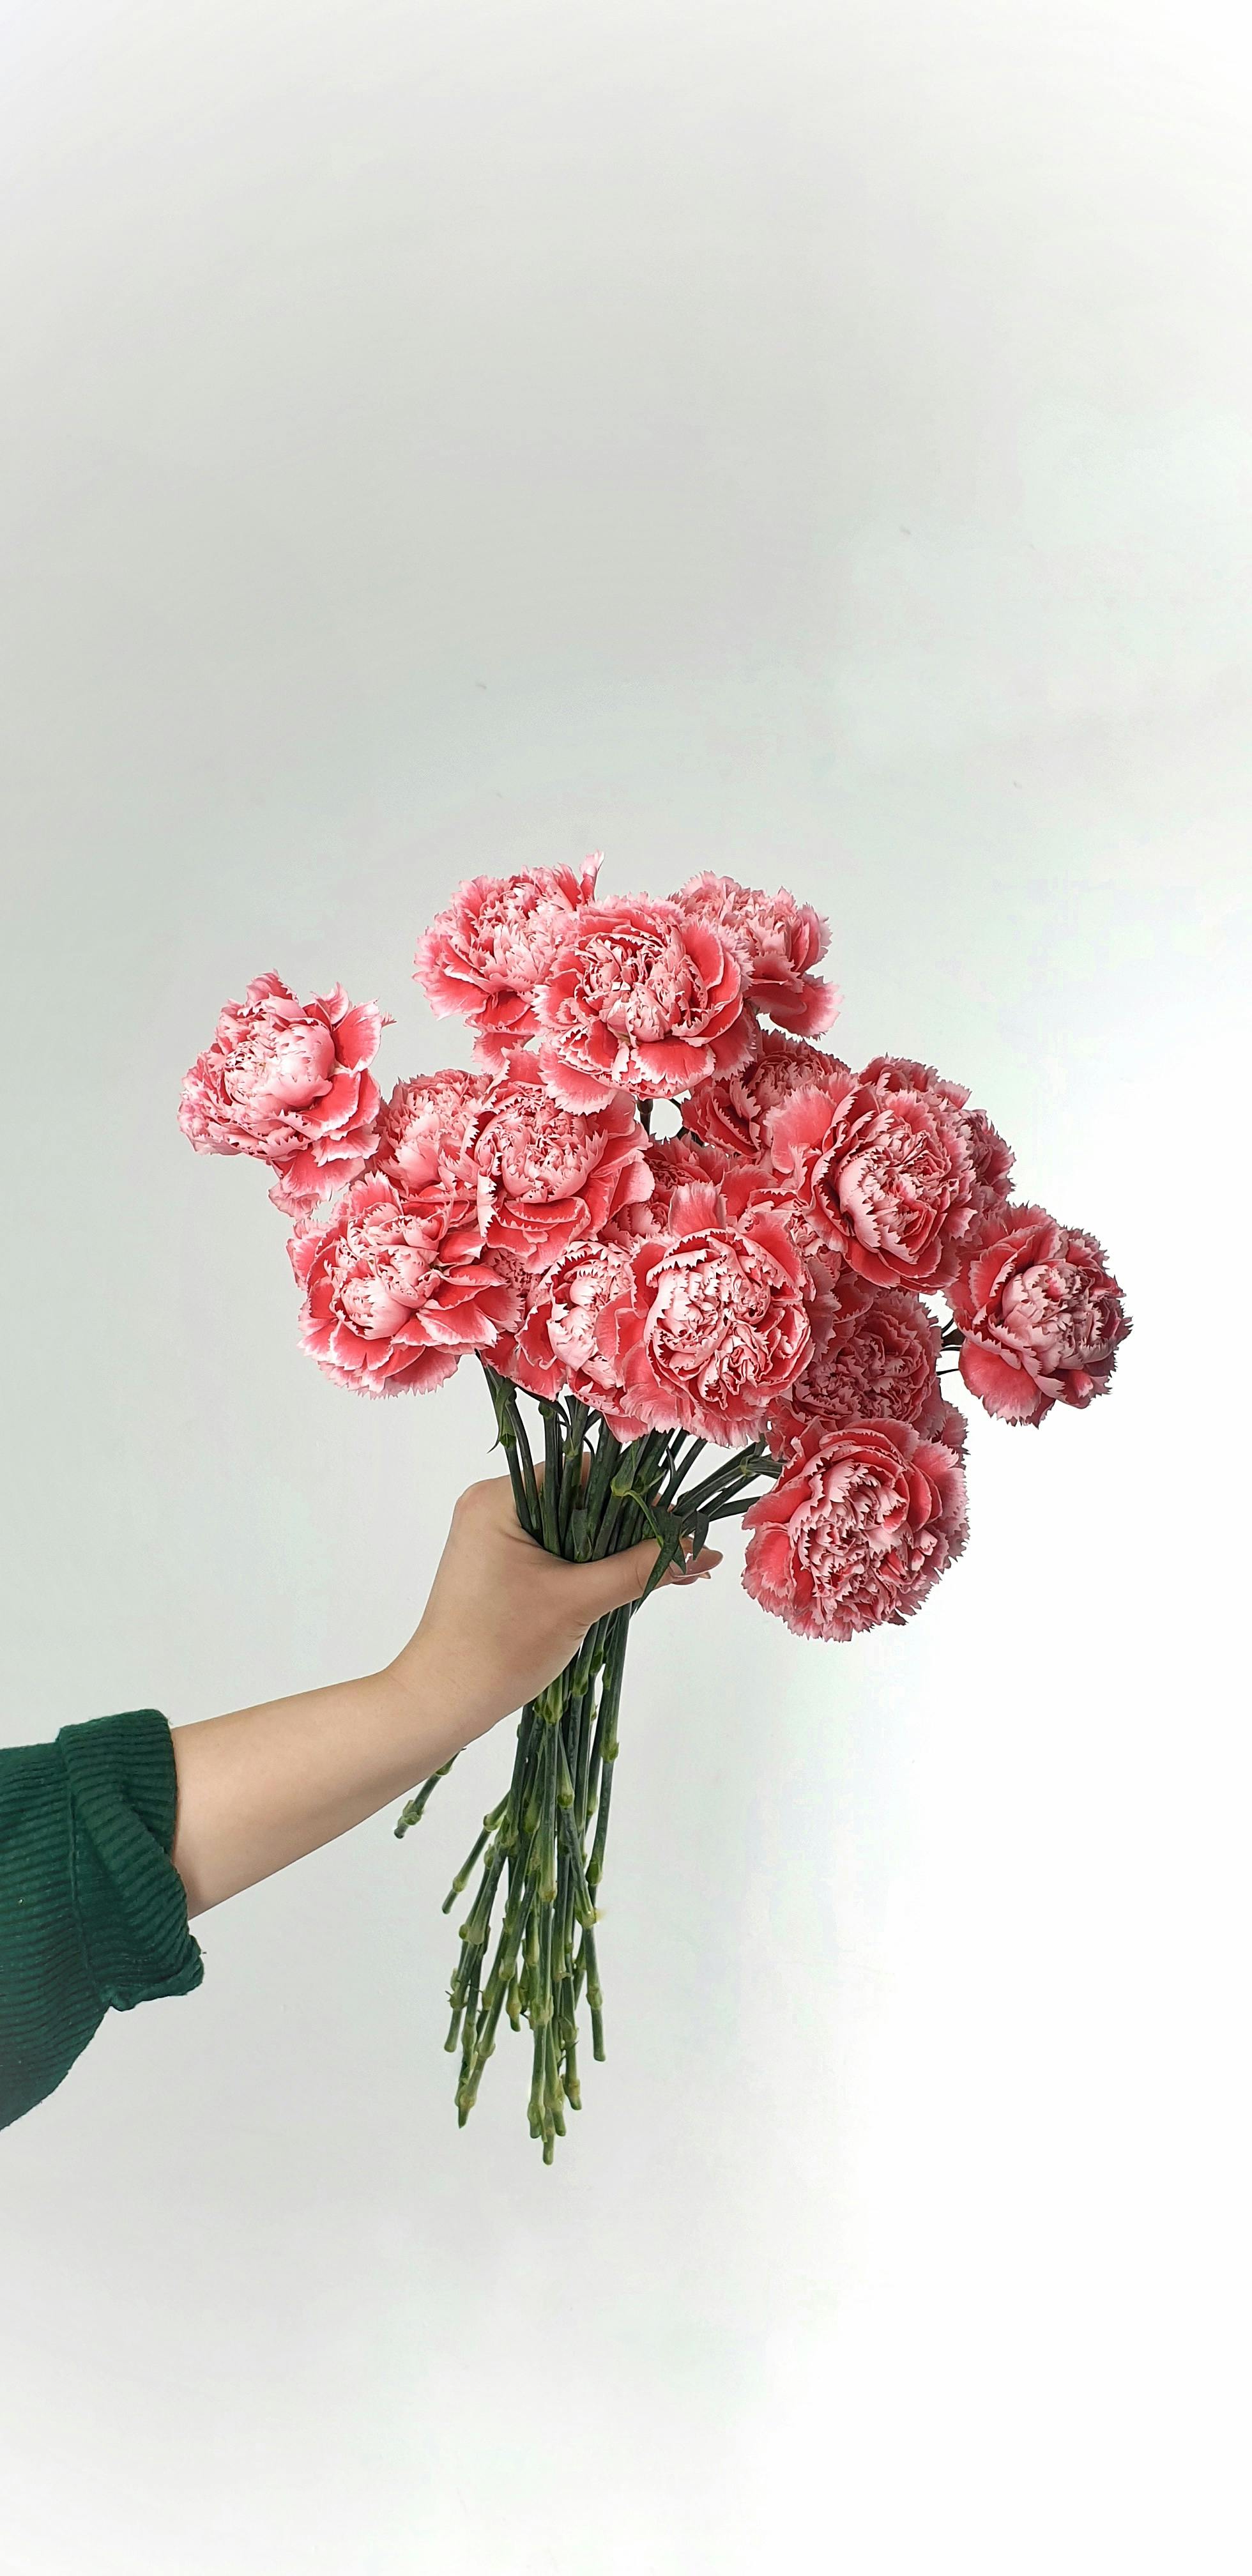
<point x="262" y="1786"/>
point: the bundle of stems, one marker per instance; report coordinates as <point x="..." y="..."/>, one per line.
<point x="540" y="1854"/>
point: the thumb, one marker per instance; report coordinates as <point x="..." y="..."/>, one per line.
<point x="612" y="1581"/>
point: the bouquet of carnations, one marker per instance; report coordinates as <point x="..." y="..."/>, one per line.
<point x="675" y="1228"/>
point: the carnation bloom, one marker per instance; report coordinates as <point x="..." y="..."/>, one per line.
<point x="1042" y="1317"/>
<point x="876" y="1360"/>
<point x="739" y="1190"/>
<point x="568" y="1340"/>
<point x="990" y="1158"/>
<point x="886" y="1175"/>
<point x="718" y="1326"/>
<point x="860" y="1524"/>
<point x="544" y="1174"/>
<point x="497" y="939"/>
<point x="733" y="1110"/>
<point x="746" y="1188"/>
<point x="393" y="1298"/>
<point x="520" y="1283"/>
<point x="425" y="1129"/>
<point x="950" y="1427"/>
<point x="780" y="941"/>
<point x="674" y="1162"/>
<point x="286" y="1081"/>
<point x="641" y="997"/>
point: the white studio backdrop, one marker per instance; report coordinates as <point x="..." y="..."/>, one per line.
<point x="810" y="440"/>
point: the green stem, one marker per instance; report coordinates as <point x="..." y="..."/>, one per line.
<point x="582" y="1902"/>
<point x="413" y="1813"/>
<point x="612" y="1689"/>
<point x="539" y="1959"/>
<point x="604" y="1466"/>
<point x="746" y="1463"/>
<point x="681" y="1464"/>
<point x="550" y="1490"/>
<point x="462" y="1877"/>
<point x="572" y="1472"/>
<point x="516" y="1447"/>
<point x="595" y="1999"/>
<point x="729" y="1511"/>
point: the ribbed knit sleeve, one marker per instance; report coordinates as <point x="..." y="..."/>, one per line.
<point x="92" y="1910"/>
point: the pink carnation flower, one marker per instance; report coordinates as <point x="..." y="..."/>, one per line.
<point x="755" y="1188"/>
<point x="719" y="1321"/>
<point x="861" y="1523"/>
<point x="1042" y="1317"/>
<point x="674" y="1162"/>
<point x="545" y="1175"/>
<point x="425" y="1131"/>
<point x="521" y="1284"/>
<point x="990" y="1158"/>
<point x="739" y="1188"/>
<point x="497" y="939"/>
<point x="780" y="942"/>
<point x="286" y="1081"/>
<point x="641" y="998"/>
<point x="875" y="1361"/>
<point x="733" y="1111"/>
<point x="568" y="1341"/>
<point x="951" y="1428"/>
<point x="886" y="1176"/>
<point x="392" y="1298"/>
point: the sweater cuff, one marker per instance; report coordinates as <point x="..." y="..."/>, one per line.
<point x="130" y="1901"/>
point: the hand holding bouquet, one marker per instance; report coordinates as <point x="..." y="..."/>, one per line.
<point x="753" y="1276"/>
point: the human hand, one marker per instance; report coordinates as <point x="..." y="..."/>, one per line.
<point x="504" y="1617"/>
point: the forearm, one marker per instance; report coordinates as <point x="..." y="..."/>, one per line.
<point x="262" y="1786"/>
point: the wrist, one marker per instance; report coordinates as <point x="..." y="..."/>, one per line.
<point x="425" y="1714"/>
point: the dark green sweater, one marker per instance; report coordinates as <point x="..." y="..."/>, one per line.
<point x="92" y="1910"/>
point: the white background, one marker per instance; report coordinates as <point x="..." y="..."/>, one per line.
<point x="810" y="439"/>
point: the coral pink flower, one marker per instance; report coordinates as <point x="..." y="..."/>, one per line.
<point x="521" y="1284"/>
<point x="719" y="1321"/>
<point x="425" y="1131"/>
<point x="780" y="942"/>
<point x="886" y="1176"/>
<point x="747" y="1188"/>
<point x="731" y="1192"/>
<point x="643" y="998"/>
<point x="568" y="1341"/>
<point x="497" y="939"/>
<point x="1042" y="1317"/>
<point x="545" y="1175"/>
<point x="990" y="1158"/>
<point x="674" y="1162"/>
<point x="951" y="1429"/>
<point x="733" y="1111"/>
<point x="859" y="1526"/>
<point x="286" y="1081"/>
<point x="391" y="1300"/>
<point x="876" y="1360"/>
